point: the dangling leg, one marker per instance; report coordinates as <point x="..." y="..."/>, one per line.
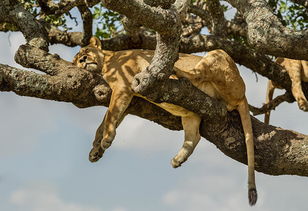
<point x="295" y="72"/>
<point x="97" y="152"/>
<point x="120" y="99"/>
<point x="269" y="96"/>
<point x="191" y="126"/>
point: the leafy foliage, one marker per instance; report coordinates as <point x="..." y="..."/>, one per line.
<point x="107" y="22"/>
<point x="290" y="14"/>
<point x="58" y="21"/>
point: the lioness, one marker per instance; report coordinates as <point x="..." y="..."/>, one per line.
<point x="215" y="74"/>
<point x="298" y="72"/>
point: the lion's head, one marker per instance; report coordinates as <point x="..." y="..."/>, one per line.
<point x="90" y="57"/>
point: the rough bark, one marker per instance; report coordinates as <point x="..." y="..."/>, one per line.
<point x="165" y="20"/>
<point x="278" y="151"/>
<point x="267" y="34"/>
<point x="34" y="32"/>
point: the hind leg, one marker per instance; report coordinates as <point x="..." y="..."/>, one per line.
<point x="120" y="99"/>
<point x="191" y="126"/>
<point x="269" y="97"/>
<point x="295" y="72"/>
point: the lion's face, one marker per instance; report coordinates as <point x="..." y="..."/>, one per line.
<point x="89" y="58"/>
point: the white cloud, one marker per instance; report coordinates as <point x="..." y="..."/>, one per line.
<point x="210" y="192"/>
<point x="42" y="198"/>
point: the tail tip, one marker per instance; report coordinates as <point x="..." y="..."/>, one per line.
<point x="252" y="196"/>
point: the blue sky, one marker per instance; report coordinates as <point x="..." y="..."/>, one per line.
<point x="44" y="159"/>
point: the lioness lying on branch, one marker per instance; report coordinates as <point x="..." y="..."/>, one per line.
<point x="215" y="74"/>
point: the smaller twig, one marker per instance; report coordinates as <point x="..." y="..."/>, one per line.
<point x="87" y="20"/>
<point x="286" y="97"/>
<point x="73" y="18"/>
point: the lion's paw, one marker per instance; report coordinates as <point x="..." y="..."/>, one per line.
<point x="303" y="104"/>
<point x="178" y="160"/>
<point x="95" y="154"/>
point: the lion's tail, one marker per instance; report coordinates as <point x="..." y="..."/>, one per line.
<point x="247" y="128"/>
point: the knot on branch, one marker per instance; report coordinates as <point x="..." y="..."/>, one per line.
<point x="165" y="4"/>
<point x="102" y="92"/>
<point x="144" y="81"/>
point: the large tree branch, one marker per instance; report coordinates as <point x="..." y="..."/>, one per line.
<point x="278" y="151"/>
<point x="87" y="20"/>
<point x="268" y="35"/>
<point x="13" y="12"/>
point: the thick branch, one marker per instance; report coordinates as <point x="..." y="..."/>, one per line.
<point x="87" y="20"/>
<point x="67" y="87"/>
<point x="33" y="31"/>
<point x="71" y="39"/>
<point x="166" y="23"/>
<point x="218" y="21"/>
<point x="154" y="18"/>
<point x="32" y="57"/>
<point x="277" y="151"/>
<point x="267" y="34"/>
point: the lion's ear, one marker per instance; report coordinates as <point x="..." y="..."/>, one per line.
<point x="95" y="42"/>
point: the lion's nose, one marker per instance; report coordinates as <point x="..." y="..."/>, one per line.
<point x="83" y="59"/>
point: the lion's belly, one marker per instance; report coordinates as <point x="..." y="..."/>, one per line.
<point x="175" y="109"/>
<point x="171" y="108"/>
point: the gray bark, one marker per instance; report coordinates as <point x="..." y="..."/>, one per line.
<point x="267" y="34"/>
<point x="278" y="151"/>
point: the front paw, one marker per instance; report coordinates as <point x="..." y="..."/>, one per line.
<point x="303" y="104"/>
<point x="175" y="163"/>
<point x="95" y="154"/>
<point x="179" y="159"/>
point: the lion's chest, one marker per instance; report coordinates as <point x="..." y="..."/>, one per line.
<point x="120" y="75"/>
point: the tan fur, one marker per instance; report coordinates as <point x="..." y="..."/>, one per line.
<point x="215" y="74"/>
<point x="298" y="72"/>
